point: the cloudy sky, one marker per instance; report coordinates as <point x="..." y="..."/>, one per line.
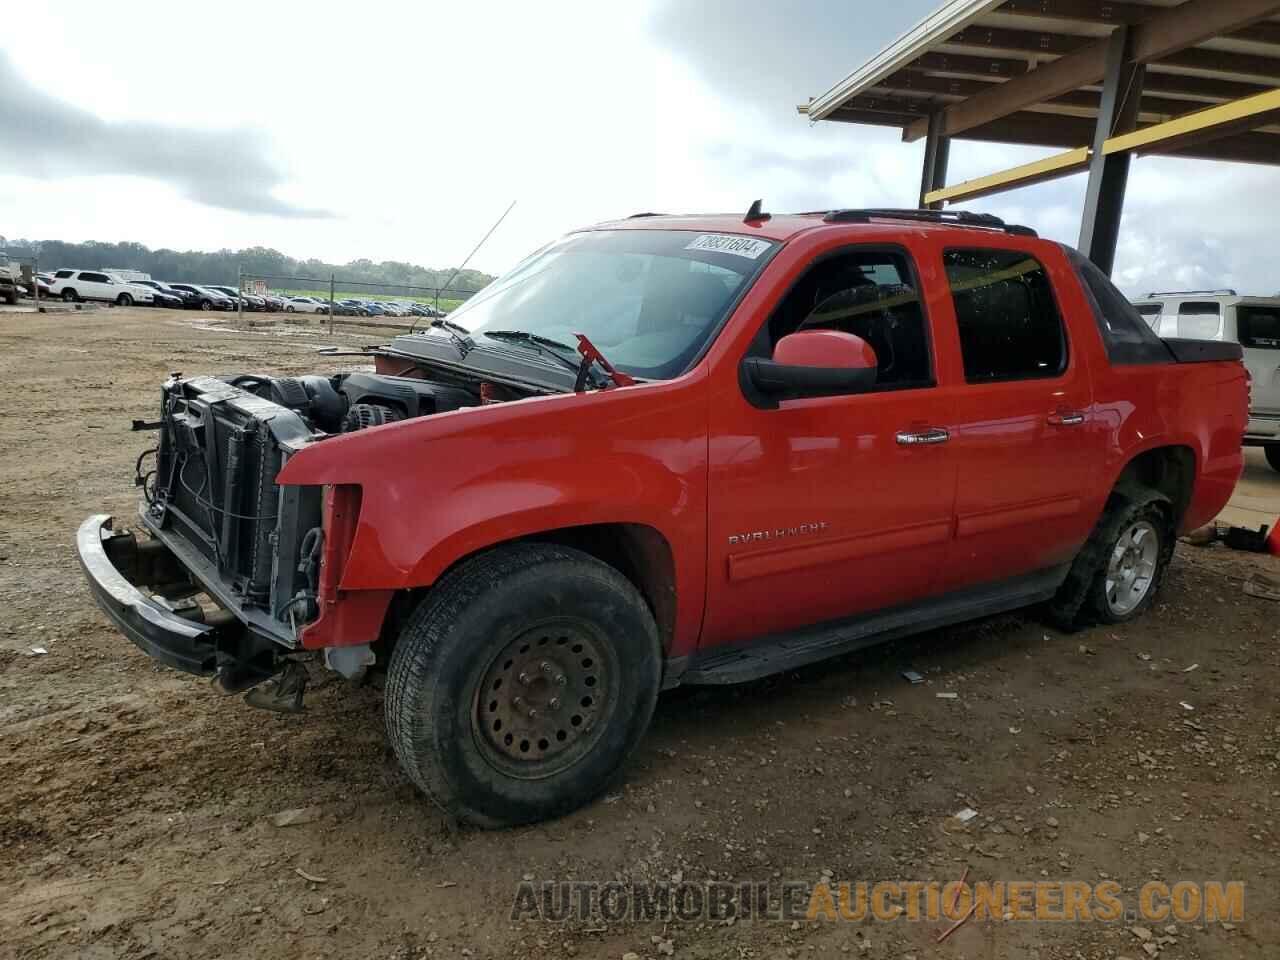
<point x="401" y="131"/>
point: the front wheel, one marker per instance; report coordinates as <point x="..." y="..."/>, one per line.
<point x="124" y="300"/>
<point x="206" y="304"/>
<point x="1273" y="456"/>
<point x="521" y="684"/>
<point x="69" y="296"/>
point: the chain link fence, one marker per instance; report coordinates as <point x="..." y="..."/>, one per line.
<point x="393" y="304"/>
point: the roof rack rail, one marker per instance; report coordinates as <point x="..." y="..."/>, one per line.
<point x="958" y="218"/>
<point x="636" y="216"/>
<point x="1224" y="292"/>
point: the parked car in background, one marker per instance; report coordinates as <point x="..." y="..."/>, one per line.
<point x="306" y="305"/>
<point x="41" y="281"/>
<point x="252" y="302"/>
<point x="373" y="309"/>
<point x="206" y="298"/>
<point x="1225" y="316"/>
<point x="188" y="299"/>
<point x="164" y="297"/>
<point x="10" y="278"/>
<point x="356" y="308"/>
<point x="75" y="285"/>
<point x="394" y="309"/>
<point x="275" y="304"/>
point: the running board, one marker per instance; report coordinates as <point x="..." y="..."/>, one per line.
<point x="781" y="652"/>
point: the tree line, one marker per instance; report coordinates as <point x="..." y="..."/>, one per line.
<point x="220" y="266"/>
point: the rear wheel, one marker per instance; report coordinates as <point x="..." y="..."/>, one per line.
<point x="521" y="684"/>
<point x="1273" y="456"/>
<point x="206" y="304"/>
<point x="1117" y="575"/>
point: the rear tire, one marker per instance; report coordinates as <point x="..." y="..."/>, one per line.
<point x="521" y="684"/>
<point x="1273" y="456"/>
<point x="1117" y="575"/>
<point x="206" y="304"/>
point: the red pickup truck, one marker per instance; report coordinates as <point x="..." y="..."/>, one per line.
<point x="671" y="450"/>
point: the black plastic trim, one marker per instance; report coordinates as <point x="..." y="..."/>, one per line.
<point x="780" y="652"/>
<point x="1204" y="351"/>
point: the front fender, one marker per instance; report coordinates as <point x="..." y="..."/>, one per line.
<point x="437" y="489"/>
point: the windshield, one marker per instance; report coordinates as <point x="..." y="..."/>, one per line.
<point x="649" y="299"/>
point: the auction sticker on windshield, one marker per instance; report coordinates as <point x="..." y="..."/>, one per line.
<point x="747" y="247"/>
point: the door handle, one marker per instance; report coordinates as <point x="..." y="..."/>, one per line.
<point x="911" y="438"/>
<point x="1066" y="418"/>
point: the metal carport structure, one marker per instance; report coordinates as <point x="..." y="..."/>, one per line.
<point x="1104" y="81"/>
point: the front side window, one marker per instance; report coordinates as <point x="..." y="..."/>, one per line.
<point x="871" y="294"/>
<point x="651" y="300"/>
<point x="95" y="277"/>
<point x="1200" y="321"/>
<point x="1010" y="327"/>
<point x="1258" y="327"/>
<point x="63" y="274"/>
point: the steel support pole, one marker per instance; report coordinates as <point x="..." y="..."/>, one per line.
<point x="1109" y="175"/>
<point x="937" y="152"/>
<point x="35" y="281"/>
<point x="239" y="297"/>
<point x="331" y="304"/>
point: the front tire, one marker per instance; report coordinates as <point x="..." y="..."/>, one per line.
<point x="1118" y="573"/>
<point x="124" y="300"/>
<point x="1273" y="456"/>
<point x="68" y="296"/>
<point x="206" y="304"/>
<point x="521" y="683"/>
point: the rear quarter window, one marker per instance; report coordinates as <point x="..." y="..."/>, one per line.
<point x="1127" y="331"/>
<point x="1200" y="320"/>
<point x="1258" y="327"/>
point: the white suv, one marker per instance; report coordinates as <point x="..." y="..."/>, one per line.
<point x="1252" y="322"/>
<point x="72" y="285"/>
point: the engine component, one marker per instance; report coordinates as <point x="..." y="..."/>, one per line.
<point x="411" y="396"/>
<point x="362" y="416"/>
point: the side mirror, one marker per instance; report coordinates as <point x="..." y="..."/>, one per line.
<point x="812" y="363"/>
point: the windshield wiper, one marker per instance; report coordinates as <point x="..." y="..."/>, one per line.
<point x="546" y="347"/>
<point x="457" y="333"/>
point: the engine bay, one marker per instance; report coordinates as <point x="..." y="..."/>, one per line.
<point x="347" y="402"/>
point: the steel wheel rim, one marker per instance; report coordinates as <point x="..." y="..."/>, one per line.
<point x="1131" y="569"/>
<point x="545" y="699"/>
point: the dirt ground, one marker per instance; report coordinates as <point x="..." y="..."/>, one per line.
<point x="136" y="803"/>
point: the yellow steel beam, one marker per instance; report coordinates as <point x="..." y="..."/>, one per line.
<point x="1235" y="116"/>
<point x="1058" y="165"/>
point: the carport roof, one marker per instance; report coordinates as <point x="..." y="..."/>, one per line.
<point x="1031" y="72"/>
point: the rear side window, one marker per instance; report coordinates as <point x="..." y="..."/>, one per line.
<point x="1258" y="327"/>
<point x="1126" y="330"/>
<point x="1200" y="320"/>
<point x="1010" y="327"/>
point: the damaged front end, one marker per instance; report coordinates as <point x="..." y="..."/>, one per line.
<point x="238" y="574"/>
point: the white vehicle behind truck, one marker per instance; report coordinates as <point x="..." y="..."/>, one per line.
<point x="75" y="285"/>
<point x="1224" y="315"/>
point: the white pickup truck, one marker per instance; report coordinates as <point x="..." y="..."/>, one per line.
<point x="74" y="285"/>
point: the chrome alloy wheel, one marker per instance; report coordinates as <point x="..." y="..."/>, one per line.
<point x="1131" y="569"/>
